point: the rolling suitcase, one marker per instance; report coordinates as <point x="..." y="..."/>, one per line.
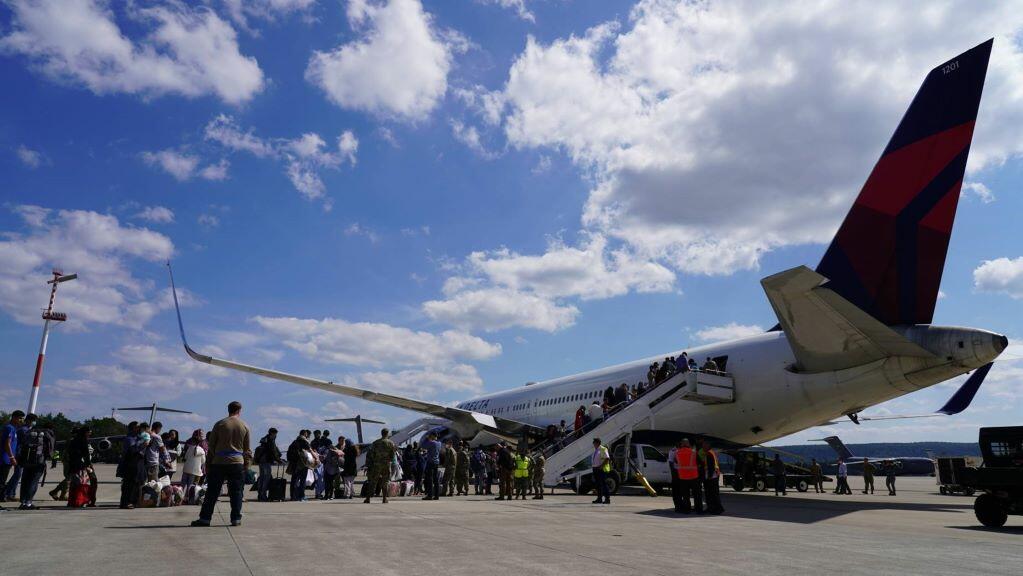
<point x="393" y="488"/>
<point x="278" y="487"/>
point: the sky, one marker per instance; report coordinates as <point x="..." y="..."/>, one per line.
<point x="440" y="199"/>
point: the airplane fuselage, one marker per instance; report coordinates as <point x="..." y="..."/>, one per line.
<point x="772" y="398"/>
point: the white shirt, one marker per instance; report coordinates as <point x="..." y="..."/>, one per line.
<point x="596" y="412"/>
<point x="195" y="458"/>
<point x="599" y="455"/>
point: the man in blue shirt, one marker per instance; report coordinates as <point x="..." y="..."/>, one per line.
<point x="9" y="446"/>
<point x="431" y="474"/>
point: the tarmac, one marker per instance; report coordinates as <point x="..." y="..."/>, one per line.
<point x="916" y="532"/>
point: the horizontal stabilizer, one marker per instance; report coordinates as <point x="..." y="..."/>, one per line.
<point x="826" y="331"/>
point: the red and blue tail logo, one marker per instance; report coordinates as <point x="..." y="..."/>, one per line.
<point x="889" y="253"/>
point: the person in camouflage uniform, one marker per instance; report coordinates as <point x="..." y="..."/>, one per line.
<point x="536" y="473"/>
<point x="450" y="461"/>
<point x="381" y="453"/>
<point x="462" y="470"/>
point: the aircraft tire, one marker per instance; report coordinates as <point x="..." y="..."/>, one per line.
<point x="760" y="485"/>
<point x="989" y="511"/>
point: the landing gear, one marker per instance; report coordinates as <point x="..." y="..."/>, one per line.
<point x="802" y="486"/>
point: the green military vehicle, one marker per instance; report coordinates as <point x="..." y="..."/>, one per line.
<point x="1000" y="478"/>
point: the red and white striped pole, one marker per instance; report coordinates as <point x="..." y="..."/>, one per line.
<point x="49" y="315"/>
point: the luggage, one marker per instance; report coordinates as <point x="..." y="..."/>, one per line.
<point x="149" y="496"/>
<point x="408" y="487"/>
<point x="278" y="487"/>
<point x="171" y="496"/>
<point x="342" y="492"/>
<point x="192" y="495"/>
<point x="393" y="488"/>
<point x="78" y="497"/>
<point x="250" y="476"/>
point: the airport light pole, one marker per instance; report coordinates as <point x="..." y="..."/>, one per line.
<point x="48" y="316"/>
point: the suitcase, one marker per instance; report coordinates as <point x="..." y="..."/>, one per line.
<point x="78" y="497"/>
<point x="278" y="487"/>
<point x="408" y="487"/>
<point x="393" y="488"/>
<point x="148" y="497"/>
<point x="342" y="492"/>
<point x="192" y="495"/>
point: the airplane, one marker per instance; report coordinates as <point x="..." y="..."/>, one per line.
<point x="904" y="465"/>
<point x="359" y="421"/>
<point x="853" y="333"/>
<point x="153" y="410"/>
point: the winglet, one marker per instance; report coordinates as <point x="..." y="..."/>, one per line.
<point x="964" y="395"/>
<point x="181" y="326"/>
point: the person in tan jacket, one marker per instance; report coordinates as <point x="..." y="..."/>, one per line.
<point x="228" y="457"/>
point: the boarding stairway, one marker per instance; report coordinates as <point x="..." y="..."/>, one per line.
<point x="702" y="386"/>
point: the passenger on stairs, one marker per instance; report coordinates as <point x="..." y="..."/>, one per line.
<point x="596" y="414"/>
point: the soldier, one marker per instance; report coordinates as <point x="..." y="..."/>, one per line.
<point x="450" y="460"/>
<point x="462" y="470"/>
<point x="381" y="453"/>
<point x="537" y="473"/>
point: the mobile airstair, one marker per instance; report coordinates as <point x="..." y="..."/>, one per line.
<point x="705" y="387"/>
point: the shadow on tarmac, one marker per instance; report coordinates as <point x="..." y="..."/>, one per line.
<point x="804" y="510"/>
<point x="1002" y="530"/>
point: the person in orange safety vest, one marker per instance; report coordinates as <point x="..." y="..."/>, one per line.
<point x="689" y="477"/>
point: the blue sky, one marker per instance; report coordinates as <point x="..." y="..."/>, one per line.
<point x="446" y="198"/>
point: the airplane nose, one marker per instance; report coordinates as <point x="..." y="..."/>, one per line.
<point x="1001" y="343"/>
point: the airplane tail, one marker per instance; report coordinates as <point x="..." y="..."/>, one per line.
<point x="839" y="447"/>
<point x="888" y="256"/>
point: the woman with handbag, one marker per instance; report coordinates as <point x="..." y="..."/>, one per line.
<point x="83" y="480"/>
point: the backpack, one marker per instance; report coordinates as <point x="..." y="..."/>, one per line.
<point x="33" y="450"/>
<point x="260" y="452"/>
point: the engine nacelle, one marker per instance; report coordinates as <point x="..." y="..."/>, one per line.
<point x="967" y="347"/>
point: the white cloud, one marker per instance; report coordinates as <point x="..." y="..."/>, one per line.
<point x="979" y="191"/>
<point x="411" y="232"/>
<point x="242" y="11"/>
<point x="183" y="166"/>
<point x="499" y="308"/>
<point x="730" y="331"/>
<point x="1001" y="275"/>
<point x="356" y="229"/>
<point x="470" y="136"/>
<point x="338" y="341"/>
<point x="397" y="68"/>
<point x="303" y="157"/>
<point x="156" y="214"/>
<point x="97" y="247"/>
<point x="519" y="6"/>
<point x="501" y="289"/>
<point x="184" y="50"/>
<point x="714" y="134"/>
<point x="208" y="220"/>
<point x="29" y="157"/>
<point x="142" y="373"/>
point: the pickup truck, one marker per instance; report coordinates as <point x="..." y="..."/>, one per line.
<point x="648" y="460"/>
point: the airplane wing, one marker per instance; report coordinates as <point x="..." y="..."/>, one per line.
<point x="158" y="409"/>
<point x="826" y="331"/>
<point x="956" y="404"/>
<point x="510" y="430"/>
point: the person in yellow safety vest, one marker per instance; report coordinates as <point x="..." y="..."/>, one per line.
<point x="711" y="483"/>
<point x="689" y="477"/>
<point x="600" y="461"/>
<point x="522" y="463"/>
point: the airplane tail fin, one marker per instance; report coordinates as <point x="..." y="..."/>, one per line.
<point x="888" y="256"/>
<point x="839" y="447"/>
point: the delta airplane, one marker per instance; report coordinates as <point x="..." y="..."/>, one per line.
<point x="853" y="333"/>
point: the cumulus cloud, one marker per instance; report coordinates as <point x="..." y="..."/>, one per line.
<point x="470" y="136"/>
<point x="156" y="214"/>
<point x="500" y="289"/>
<point x="183" y="50"/>
<point x="398" y="67"/>
<point x="356" y="229"/>
<point x="135" y="373"/>
<point x="183" y="166"/>
<point x="730" y="331"/>
<point x="715" y="132"/>
<point x="376" y="345"/>
<point x="303" y="157"/>
<point x="1001" y="275"/>
<point x="499" y="308"/>
<point x="96" y="246"/>
<point x="29" y="157"/>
